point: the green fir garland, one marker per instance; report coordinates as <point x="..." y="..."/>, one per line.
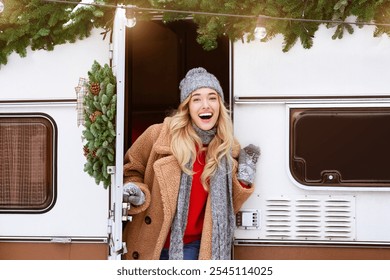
<point x="42" y="25"/>
<point x="99" y="117"/>
<point x="37" y="24"/>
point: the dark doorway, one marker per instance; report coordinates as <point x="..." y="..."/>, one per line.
<point x="158" y="56"/>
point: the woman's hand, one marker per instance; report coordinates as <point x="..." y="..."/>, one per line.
<point x="247" y="164"/>
<point x="133" y="194"/>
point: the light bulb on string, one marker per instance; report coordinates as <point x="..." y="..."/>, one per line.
<point x="131" y="20"/>
<point x="260" y="31"/>
<point x="1" y="6"/>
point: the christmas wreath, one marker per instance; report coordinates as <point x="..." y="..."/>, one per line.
<point x="99" y="122"/>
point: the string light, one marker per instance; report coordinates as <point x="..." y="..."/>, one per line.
<point x="1" y="6"/>
<point x="264" y="17"/>
<point x="131" y="20"/>
<point x="260" y="30"/>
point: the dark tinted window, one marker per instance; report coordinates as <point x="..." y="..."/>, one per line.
<point x="340" y="146"/>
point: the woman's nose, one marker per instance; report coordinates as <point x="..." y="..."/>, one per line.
<point x="205" y="103"/>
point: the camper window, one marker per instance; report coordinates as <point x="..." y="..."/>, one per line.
<point x="340" y="147"/>
<point x="27" y="166"/>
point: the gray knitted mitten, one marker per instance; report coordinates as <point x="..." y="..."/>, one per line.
<point x="247" y="164"/>
<point x="133" y="194"/>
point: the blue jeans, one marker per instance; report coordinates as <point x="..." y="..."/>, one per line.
<point x="190" y="251"/>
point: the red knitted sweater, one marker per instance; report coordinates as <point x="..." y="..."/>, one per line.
<point x="197" y="205"/>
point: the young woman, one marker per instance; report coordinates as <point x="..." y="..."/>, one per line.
<point x="187" y="177"/>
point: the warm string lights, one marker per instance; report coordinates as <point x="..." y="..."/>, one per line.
<point x="1" y="6"/>
<point x="131" y="20"/>
<point x="259" y="32"/>
<point x="74" y="19"/>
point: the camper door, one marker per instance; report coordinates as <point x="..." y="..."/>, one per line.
<point x="118" y="210"/>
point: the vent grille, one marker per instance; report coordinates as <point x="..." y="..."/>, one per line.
<point x="318" y="218"/>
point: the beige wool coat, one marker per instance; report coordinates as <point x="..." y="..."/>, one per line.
<point x="149" y="163"/>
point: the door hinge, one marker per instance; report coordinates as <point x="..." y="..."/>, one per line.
<point x="125" y="210"/>
<point x="111" y="170"/>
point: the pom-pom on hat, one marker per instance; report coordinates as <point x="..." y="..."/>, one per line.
<point x="197" y="78"/>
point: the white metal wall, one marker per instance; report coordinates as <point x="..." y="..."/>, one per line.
<point x="357" y="65"/>
<point x="51" y="74"/>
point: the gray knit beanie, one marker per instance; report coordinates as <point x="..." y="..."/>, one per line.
<point x="197" y="78"/>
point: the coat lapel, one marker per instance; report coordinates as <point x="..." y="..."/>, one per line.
<point x="167" y="172"/>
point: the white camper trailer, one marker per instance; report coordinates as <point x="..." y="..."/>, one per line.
<point x="50" y="208"/>
<point x="318" y="115"/>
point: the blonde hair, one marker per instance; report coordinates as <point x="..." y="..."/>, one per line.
<point x="184" y="140"/>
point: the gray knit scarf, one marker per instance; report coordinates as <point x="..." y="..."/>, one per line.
<point x="223" y="219"/>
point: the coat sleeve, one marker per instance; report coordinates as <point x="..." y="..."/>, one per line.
<point x="135" y="164"/>
<point x="240" y="193"/>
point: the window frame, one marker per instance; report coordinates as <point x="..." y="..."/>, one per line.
<point x="52" y="195"/>
<point x="328" y="185"/>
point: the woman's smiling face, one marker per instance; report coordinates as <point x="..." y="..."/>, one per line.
<point x="204" y="108"/>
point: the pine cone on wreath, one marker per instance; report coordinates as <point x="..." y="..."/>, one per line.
<point x="94" y="115"/>
<point x="95" y="88"/>
<point x="86" y="151"/>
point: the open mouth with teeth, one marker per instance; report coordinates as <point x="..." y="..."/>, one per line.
<point x="205" y="116"/>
